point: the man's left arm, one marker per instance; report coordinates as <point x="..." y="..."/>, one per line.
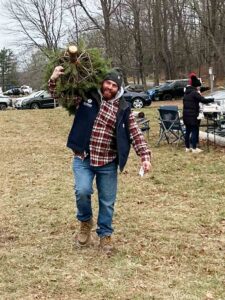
<point x="139" y="143"/>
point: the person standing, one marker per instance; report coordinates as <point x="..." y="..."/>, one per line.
<point x="103" y="129"/>
<point x="191" y="100"/>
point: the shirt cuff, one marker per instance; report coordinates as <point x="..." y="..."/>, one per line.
<point x="146" y="157"/>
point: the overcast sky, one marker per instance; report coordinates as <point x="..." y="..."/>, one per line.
<point x="11" y="41"/>
<point x="5" y="39"/>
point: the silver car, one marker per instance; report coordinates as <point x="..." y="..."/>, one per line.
<point x="5" y="102"/>
<point x="19" y="101"/>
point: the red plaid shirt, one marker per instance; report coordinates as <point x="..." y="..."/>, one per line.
<point x="103" y="137"/>
<point x="52" y="87"/>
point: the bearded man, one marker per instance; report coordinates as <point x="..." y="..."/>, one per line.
<point x="103" y="130"/>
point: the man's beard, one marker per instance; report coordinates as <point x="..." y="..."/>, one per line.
<point x="108" y="94"/>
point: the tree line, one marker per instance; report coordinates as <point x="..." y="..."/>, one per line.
<point x="157" y="39"/>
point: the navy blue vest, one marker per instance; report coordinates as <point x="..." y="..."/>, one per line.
<point x="80" y="133"/>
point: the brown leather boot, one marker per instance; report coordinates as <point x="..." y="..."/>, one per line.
<point x="106" y="245"/>
<point x="84" y="236"/>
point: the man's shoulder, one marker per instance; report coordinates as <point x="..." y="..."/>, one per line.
<point x="123" y="104"/>
<point x="93" y="94"/>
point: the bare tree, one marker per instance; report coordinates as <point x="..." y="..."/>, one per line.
<point x="160" y="37"/>
<point x="211" y="17"/>
<point x="135" y="6"/>
<point x="32" y="70"/>
<point x="153" y="12"/>
<point x="40" y="22"/>
<point x="103" y="22"/>
<point x="122" y="44"/>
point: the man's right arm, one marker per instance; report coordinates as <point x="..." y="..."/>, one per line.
<point x="58" y="71"/>
<point x="51" y="88"/>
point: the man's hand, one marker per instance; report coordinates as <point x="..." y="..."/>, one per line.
<point x="58" y="71"/>
<point x="146" y="165"/>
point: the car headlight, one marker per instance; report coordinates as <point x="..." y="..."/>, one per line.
<point x="18" y="103"/>
<point x="24" y="102"/>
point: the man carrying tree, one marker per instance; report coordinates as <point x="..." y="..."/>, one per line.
<point x="103" y="129"/>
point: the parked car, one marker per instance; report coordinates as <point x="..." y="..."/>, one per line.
<point x="17" y="102"/>
<point x="26" y="89"/>
<point x="40" y="99"/>
<point x="135" y="88"/>
<point x="137" y="100"/>
<point x="14" y="92"/>
<point x="153" y="92"/>
<point x="5" y="102"/>
<point x="172" y="89"/>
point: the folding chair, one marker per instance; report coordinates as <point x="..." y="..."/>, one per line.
<point x="143" y="123"/>
<point x="171" y="127"/>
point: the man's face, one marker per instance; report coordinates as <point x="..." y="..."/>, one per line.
<point x="109" y="89"/>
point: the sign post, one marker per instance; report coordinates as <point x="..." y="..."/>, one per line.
<point x="211" y="78"/>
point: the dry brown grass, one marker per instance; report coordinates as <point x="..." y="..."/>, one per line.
<point x="169" y="225"/>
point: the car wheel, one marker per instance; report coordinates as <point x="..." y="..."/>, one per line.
<point x="138" y="103"/>
<point x="3" y="106"/>
<point x="34" y="106"/>
<point x="167" y="97"/>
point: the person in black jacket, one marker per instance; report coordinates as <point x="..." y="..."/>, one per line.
<point x="191" y="100"/>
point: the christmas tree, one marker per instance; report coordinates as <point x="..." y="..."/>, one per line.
<point x="84" y="69"/>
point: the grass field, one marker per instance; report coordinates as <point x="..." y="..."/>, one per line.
<point x="169" y="225"/>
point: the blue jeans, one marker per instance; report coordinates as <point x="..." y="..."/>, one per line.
<point x="106" y="182"/>
<point x="191" y="136"/>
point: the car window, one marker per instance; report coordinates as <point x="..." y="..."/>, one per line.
<point x="45" y="94"/>
<point x="165" y="84"/>
<point x="35" y="94"/>
<point x="171" y="85"/>
<point x="180" y="84"/>
<point x="176" y="84"/>
<point x="183" y="83"/>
